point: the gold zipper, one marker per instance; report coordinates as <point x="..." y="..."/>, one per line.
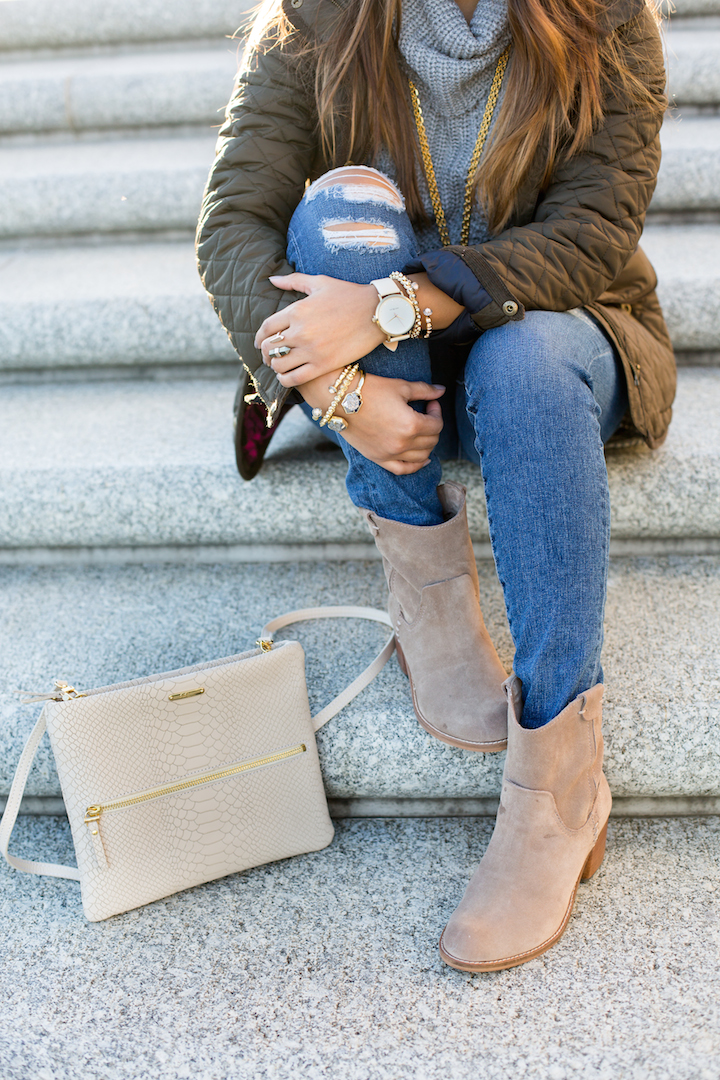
<point x="93" y="813"/>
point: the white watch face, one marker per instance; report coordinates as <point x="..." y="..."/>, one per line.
<point x="395" y="315"/>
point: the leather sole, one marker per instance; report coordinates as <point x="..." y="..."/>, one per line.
<point x="480" y="748"/>
<point x="590" y="866"/>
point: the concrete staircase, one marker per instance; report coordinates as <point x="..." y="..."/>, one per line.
<point x="117" y="380"/>
<point x="128" y="544"/>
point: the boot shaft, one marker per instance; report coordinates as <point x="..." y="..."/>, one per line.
<point x="563" y="757"/>
<point x="415" y="556"/>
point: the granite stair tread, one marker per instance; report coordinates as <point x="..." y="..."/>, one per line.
<point x="97" y="90"/>
<point x="689" y="177"/>
<point x="96" y="626"/>
<point x="57" y="24"/>
<point x="693" y="46"/>
<point x="187" y="82"/>
<point x="104" y="186"/>
<point x="117" y="464"/>
<point x="98" y="185"/>
<point x="114" y="304"/>
<point x="327" y="964"/>
<point x="122" y="304"/>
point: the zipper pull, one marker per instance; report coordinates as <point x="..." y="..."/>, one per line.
<point x="92" y="820"/>
<point x="61" y="692"/>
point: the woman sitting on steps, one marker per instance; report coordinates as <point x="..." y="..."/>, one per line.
<point x="461" y="276"/>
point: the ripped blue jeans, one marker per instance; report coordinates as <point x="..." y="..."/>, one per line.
<point x="537" y="400"/>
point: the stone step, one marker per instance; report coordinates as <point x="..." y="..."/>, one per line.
<point x="110" y="466"/>
<point x="190" y="82"/>
<point x="327" y="964"/>
<point x="133" y="305"/>
<point x="693" y="51"/>
<point x="686" y="261"/>
<point x="55" y="24"/>
<point x="95" y="626"/>
<point x="122" y="304"/>
<point x="689" y="178"/>
<point x="111" y="186"/>
<point x="115" y="185"/>
<point x="689" y="9"/>
<point x="117" y="89"/>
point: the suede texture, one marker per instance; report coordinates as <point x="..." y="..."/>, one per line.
<point x="554" y="807"/>
<point x="455" y="674"/>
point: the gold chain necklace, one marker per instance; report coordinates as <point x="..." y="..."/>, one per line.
<point x="440" y="219"/>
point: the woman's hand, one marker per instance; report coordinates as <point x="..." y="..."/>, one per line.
<point x="328" y="329"/>
<point x="386" y="430"/>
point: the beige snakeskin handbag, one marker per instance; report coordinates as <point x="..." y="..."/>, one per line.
<point x="184" y="777"/>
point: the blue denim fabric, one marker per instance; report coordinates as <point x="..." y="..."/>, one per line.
<point x="414" y="497"/>
<point x="538" y="399"/>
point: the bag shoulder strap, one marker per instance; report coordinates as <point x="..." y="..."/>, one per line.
<point x="365" y="677"/>
<point x="13" y="805"/>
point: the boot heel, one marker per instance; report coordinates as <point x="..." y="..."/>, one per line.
<point x="400" y="657"/>
<point x="596" y="856"/>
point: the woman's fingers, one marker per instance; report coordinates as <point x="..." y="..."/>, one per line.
<point x="286" y="361"/>
<point x="402" y="468"/>
<point x="422" y="391"/>
<point x="296" y="377"/>
<point x="297" y="282"/>
<point x="274" y="324"/>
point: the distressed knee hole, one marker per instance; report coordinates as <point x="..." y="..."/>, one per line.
<point x="358" y="184"/>
<point x="357" y="235"/>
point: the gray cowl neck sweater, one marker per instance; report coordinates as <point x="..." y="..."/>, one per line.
<point x="452" y="64"/>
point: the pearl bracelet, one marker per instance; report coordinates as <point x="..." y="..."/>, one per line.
<point x="410" y="288"/>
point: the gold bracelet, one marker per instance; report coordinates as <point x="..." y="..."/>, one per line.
<point x="342" y="376"/>
<point x="427" y="312"/>
<point x="317" y="414"/>
<point x="342" y="385"/>
<point x="410" y="289"/>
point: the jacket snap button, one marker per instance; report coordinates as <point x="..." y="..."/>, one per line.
<point x="296" y="3"/>
<point x="509" y="307"/>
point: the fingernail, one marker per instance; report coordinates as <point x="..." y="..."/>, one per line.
<point x="438" y="386"/>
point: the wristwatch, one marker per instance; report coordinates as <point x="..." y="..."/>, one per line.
<point x="395" y="314"/>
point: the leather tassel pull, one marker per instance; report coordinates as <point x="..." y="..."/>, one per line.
<point x="92" y="821"/>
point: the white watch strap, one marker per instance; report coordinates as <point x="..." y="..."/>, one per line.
<point x="386" y="287"/>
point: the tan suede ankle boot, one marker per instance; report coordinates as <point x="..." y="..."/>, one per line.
<point x="550" y="833"/>
<point x="443" y="646"/>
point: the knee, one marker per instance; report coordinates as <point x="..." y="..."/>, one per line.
<point x="356" y="194"/>
<point x="527" y="364"/>
<point x="358" y="184"/>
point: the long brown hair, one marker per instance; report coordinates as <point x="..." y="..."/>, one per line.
<point x="553" y="98"/>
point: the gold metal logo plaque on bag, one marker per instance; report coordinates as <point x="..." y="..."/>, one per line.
<point x="187" y="776"/>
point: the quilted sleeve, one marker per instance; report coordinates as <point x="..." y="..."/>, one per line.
<point x="264" y="155"/>
<point x="588" y="222"/>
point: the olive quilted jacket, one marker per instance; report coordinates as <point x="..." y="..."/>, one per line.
<point x="575" y="243"/>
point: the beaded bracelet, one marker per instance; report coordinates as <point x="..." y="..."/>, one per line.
<point x="410" y="288"/>
<point x="317" y="414"/>
<point x="341" y="384"/>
